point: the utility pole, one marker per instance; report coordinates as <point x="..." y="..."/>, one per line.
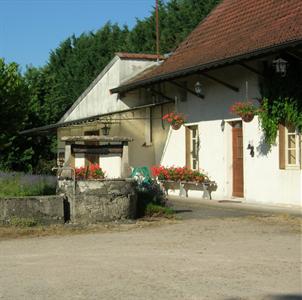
<point x="157" y="32"/>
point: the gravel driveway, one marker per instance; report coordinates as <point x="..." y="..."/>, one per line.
<point x="224" y="256"/>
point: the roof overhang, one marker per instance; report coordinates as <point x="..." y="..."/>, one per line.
<point x="207" y="66"/>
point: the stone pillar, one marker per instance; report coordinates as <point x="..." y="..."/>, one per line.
<point x="67" y="160"/>
<point x="126" y="171"/>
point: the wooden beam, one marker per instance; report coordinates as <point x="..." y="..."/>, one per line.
<point x="71" y="139"/>
<point x="232" y="87"/>
<point x="251" y="69"/>
<point x="98" y="151"/>
<point x="162" y="95"/>
<point x="294" y="55"/>
<point x="187" y="89"/>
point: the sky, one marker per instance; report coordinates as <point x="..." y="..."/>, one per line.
<point x="30" y="29"/>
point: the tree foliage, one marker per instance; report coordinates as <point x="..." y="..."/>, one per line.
<point x="14" y="98"/>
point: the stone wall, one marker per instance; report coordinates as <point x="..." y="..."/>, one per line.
<point x="42" y="209"/>
<point x="94" y="201"/>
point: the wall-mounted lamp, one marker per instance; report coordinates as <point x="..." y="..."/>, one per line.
<point x="106" y="129"/>
<point x="222" y="125"/>
<point x="198" y="88"/>
<point x="281" y="66"/>
<point x="250" y="147"/>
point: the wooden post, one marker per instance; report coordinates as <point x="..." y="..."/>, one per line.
<point x="148" y="127"/>
<point x="126" y="171"/>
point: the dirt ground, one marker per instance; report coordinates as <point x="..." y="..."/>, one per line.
<point x="249" y="256"/>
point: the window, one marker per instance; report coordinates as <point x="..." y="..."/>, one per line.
<point x="192" y="147"/>
<point x="290" y="145"/>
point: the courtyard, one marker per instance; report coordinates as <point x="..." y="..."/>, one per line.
<point x="209" y="251"/>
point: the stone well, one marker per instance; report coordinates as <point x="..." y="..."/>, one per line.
<point x="92" y="201"/>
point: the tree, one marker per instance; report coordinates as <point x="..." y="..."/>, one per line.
<point x="15" y="154"/>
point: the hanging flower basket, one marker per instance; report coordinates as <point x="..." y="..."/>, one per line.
<point x="247" y="118"/>
<point x="246" y="110"/>
<point x="176" y="120"/>
<point x="176" y="126"/>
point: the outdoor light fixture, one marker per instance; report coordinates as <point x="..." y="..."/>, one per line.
<point x="250" y="147"/>
<point x="280" y="65"/>
<point x="106" y="129"/>
<point x="198" y="88"/>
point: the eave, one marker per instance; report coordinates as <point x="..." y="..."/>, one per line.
<point x="207" y="66"/>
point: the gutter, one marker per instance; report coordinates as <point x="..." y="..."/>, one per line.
<point x="88" y="119"/>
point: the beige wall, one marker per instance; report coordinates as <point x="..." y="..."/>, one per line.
<point x="131" y="124"/>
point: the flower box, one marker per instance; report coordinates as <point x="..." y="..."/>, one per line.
<point x="184" y="186"/>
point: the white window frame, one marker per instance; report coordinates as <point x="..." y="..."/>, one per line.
<point x="196" y="140"/>
<point x="297" y="148"/>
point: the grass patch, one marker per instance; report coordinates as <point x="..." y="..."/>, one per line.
<point x="154" y="210"/>
<point x="23" y="222"/>
<point x="15" y="184"/>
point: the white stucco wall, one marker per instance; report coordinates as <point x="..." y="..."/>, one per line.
<point x="272" y="184"/>
<point x="263" y="180"/>
<point x="111" y="165"/>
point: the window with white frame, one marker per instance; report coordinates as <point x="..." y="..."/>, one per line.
<point x="192" y="147"/>
<point x="293" y="147"/>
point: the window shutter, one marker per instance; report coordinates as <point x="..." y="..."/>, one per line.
<point x="281" y="147"/>
<point x="188" y="147"/>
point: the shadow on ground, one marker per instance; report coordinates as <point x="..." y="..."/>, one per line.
<point x="189" y="210"/>
<point x="276" y="297"/>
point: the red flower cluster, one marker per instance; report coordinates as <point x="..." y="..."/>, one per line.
<point x="174" y="118"/>
<point x="177" y="174"/>
<point x="243" y="108"/>
<point x="89" y="172"/>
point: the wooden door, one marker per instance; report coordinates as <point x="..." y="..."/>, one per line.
<point x="238" y="184"/>
<point x="90" y="158"/>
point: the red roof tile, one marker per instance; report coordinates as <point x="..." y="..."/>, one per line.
<point x="127" y="55"/>
<point x="232" y="29"/>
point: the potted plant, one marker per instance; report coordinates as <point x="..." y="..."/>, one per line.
<point x="176" y="120"/>
<point x="246" y="110"/>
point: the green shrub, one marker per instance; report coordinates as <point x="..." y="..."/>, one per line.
<point x="149" y="193"/>
<point x="23" y="222"/>
<point x="153" y="210"/>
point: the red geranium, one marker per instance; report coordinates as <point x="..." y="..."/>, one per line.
<point x="177" y="174"/>
<point x="243" y="108"/>
<point x="89" y="172"/>
<point x="175" y="119"/>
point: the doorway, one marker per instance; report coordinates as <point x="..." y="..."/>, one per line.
<point x="237" y="146"/>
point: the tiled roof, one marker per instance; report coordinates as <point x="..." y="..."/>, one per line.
<point x="126" y="55"/>
<point x="233" y="29"/>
